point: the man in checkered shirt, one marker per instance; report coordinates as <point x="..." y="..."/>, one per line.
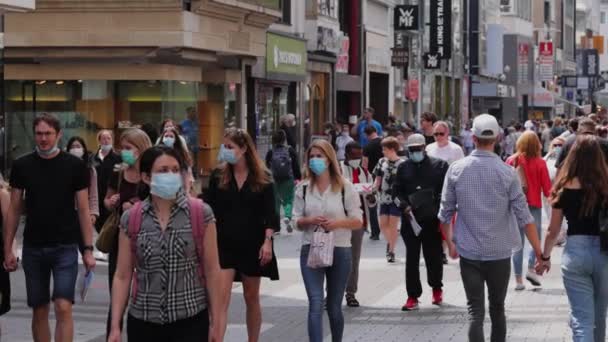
<point x="488" y="197"/>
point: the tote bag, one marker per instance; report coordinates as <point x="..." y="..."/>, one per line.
<point x="321" y="252"/>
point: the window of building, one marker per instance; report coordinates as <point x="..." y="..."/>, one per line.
<point x="602" y="17"/>
<point x="328" y="8"/>
<point x="286" y="9"/>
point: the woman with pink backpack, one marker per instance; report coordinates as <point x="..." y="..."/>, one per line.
<point x="168" y="250"/>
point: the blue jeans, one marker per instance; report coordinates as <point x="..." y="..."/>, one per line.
<point x="585" y="274"/>
<point x="39" y="263"/>
<point x="518" y="256"/>
<point x="337" y="276"/>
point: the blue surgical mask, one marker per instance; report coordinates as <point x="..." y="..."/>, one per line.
<point x="317" y="165"/>
<point x="168" y="141"/>
<point x="106" y="148"/>
<point x="557" y="151"/>
<point x="417" y="156"/>
<point x="128" y="157"/>
<point x="166" y="185"/>
<point x="48" y="152"/>
<point x="227" y="155"/>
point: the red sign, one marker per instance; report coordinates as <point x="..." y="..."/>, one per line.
<point x="412" y="89"/>
<point x="546" y="49"/>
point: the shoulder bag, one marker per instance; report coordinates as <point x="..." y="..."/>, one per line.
<point x="109" y="231"/>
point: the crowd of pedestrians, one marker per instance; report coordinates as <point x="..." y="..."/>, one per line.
<point x="174" y="252"/>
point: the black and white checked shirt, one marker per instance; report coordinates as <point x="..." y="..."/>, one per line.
<point x="169" y="287"/>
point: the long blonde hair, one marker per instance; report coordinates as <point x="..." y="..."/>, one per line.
<point x="259" y="175"/>
<point x="335" y="173"/>
<point x="137" y="138"/>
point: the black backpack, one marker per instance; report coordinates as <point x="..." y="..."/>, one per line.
<point x="280" y="164"/>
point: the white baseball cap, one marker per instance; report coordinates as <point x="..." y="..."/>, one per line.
<point x="415" y="140"/>
<point x="486" y="126"/>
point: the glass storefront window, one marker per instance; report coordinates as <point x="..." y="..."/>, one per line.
<point x="271" y="105"/>
<point x="84" y="107"/>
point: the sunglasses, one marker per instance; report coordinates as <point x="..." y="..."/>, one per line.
<point x="439" y="134"/>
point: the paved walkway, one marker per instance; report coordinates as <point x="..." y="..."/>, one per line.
<point x="532" y="315"/>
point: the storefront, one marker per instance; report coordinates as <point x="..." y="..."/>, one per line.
<point x="85" y="103"/>
<point x="319" y="96"/>
<point x="277" y="88"/>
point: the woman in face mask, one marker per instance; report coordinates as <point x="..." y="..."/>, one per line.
<point x="172" y="139"/>
<point x="125" y="187"/>
<point x="325" y="200"/>
<point x="77" y="147"/>
<point x="241" y="194"/>
<point x="551" y="158"/>
<point x="166" y="235"/>
<point x="104" y="161"/>
<point x="169" y="125"/>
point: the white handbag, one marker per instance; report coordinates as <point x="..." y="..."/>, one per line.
<point x="321" y="253"/>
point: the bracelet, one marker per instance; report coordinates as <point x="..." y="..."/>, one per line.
<point x="543" y="258"/>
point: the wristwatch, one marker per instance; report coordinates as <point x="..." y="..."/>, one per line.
<point x="543" y="258"/>
<point x="88" y="248"/>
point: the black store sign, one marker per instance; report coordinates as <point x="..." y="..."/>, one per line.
<point x="441" y="28"/>
<point x="406" y="18"/>
<point x="400" y="57"/>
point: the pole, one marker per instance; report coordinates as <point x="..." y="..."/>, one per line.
<point x="421" y="28"/>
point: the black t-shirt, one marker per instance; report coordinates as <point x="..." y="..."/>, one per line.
<point x="429" y="139"/>
<point x="373" y="152"/>
<point x="570" y="202"/>
<point x="50" y="187"/>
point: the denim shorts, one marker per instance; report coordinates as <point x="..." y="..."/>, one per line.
<point x="39" y="263"/>
<point x="390" y="210"/>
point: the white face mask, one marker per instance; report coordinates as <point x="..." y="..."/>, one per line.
<point x="355" y="163"/>
<point x="77" y="152"/>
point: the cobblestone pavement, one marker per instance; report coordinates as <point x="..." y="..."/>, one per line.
<point x="540" y="315"/>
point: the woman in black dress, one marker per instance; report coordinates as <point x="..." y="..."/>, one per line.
<point x="242" y="197"/>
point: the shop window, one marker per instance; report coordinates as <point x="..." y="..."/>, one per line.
<point x="286" y="11"/>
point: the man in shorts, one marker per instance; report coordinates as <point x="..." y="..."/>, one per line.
<point x="56" y="207"/>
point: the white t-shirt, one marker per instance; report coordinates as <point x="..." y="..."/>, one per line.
<point x="449" y="153"/>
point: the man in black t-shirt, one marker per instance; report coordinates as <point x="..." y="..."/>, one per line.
<point x="372" y="153"/>
<point x="55" y="183"/>
<point x="585" y="126"/>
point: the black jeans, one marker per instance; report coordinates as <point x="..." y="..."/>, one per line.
<point x="475" y="276"/>
<point x="430" y="242"/>
<point x="193" y="329"/>
<point x="373" y="221"/>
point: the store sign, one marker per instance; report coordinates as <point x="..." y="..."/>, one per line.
<point x="400" y="57"/>
<point x="523" y="53"/>
<point x="342" y="57"/>
<point x="327" y="40"/>
<point x="285" y="56"/>
<point x="587" y="62"/>
<point x="401" y="40"/>
<point x="441" y="28"/>
<point x="406" y="18"/>
<point x="545" y="61"/>
<point x="432" y="61"/>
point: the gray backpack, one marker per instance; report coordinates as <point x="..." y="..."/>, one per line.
<point x="280" y="164"/>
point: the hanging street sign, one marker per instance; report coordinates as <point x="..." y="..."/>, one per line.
<point x="441" y="28"/>
<point x="431" y="61"/>
<point x="545" y="61"/>
<point x="406" y="18"/>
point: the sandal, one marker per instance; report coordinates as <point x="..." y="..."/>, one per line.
<point x="351" y="301"/>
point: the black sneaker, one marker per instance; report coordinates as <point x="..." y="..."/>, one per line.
<point x="374" y="237"/>
<point x="444" y="259"/>
<point x="390" y="257"/>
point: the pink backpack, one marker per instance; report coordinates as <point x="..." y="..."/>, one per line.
<point x="197" y="220"/>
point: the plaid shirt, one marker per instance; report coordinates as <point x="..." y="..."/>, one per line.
<point x="487" y="195"/>
<point x="169" y="287"/>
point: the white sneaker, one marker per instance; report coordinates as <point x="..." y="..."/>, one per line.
<point x="533" y="278"/>
<point x="520" y="287"/>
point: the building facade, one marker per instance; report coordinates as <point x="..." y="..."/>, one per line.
<point x="119" y="64"/>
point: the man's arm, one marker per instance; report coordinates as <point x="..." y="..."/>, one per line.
<point x="10" y="229"/>
<point x="86" y="227"/>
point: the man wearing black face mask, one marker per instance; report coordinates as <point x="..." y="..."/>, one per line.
<point x="352" y="169"/>
<point x="418" y="192"/>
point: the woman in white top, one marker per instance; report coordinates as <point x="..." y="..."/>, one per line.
<point x="326" y="200"/>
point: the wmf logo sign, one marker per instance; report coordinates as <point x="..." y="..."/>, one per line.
<point x="406" y="17"/>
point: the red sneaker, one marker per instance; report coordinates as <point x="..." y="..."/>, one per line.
<point x="411" y="304"/>
<point x="437" y="297"/>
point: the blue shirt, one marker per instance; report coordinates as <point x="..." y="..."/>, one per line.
<point x="361" y="131"/>
<point x="491" y="206"/>
<point x="189" y="131"/>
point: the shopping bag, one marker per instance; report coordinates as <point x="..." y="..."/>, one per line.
<point x="321" y="252"/>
